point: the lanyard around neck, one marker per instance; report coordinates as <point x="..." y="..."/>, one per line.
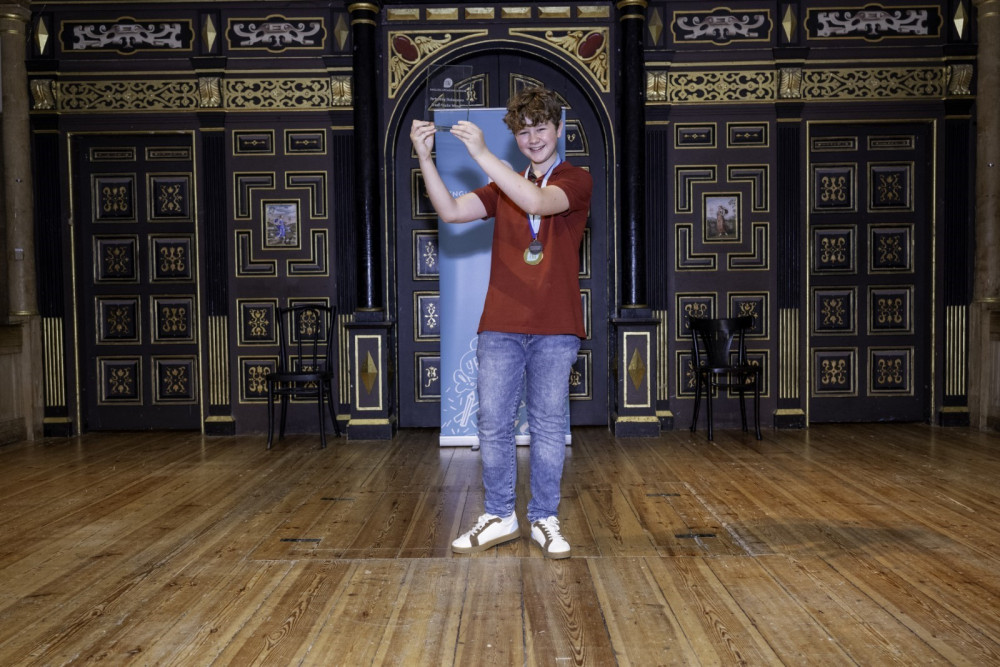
<point x="535" y="221"/>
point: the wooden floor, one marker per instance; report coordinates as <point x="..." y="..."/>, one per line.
<point x="865" y="544"/>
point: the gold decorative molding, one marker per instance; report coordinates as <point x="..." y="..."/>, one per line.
<point x="655" y="25"/>
<point x="43" y="94"/>
<point x="959" y="19"/>
<point x="959" y="79"/>
<point x="790" y="84"/>
<point x="715" y="86"/>
<point x="515" y="12"/>
<point x="209" y="92"/>
<point x="342" y="90"/>
<point x="409" y="50"/>
<point x="41" y="34"/>
<point x="874" y="83"/>
<point x="209" y="33"/>
<point x="789" y="23"/>
<point x="656" y="85"/>
<point x="587" y="46"/>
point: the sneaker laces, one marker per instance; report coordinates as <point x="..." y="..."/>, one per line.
<point x="549" y="528"/>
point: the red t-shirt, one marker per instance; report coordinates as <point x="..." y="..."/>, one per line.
<point x="542" y="298"/>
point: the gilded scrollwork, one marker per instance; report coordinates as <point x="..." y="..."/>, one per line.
<point x="587" y="46"/>
<point x="43" y="94"/>
<point x="209" y="92"/>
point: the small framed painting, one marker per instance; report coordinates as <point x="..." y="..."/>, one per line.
<point x="281" y="224"/>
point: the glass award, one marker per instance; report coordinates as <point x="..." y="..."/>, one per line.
<point x="449" y="88"/>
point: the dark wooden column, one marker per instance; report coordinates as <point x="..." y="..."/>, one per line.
<point x="373" y="412"/>
<point x="635" y="337"/>
<point x="984" y="314"/>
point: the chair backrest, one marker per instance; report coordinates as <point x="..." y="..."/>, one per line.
<point x="306" y="338"/>
<point x="717" y="337"/>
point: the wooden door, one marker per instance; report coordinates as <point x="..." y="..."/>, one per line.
<point x="870" y="235"/>
<point x="136" y="282"/>
<point x="497" y="77"/>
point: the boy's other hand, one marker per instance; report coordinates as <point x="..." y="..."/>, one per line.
<point x="470" y="135"/>
<point x="422" y="136"/>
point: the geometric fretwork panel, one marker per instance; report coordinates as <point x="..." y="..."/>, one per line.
<point x="176" y="380"/>
<point x="890" y="371"/>
<point x="834" y="311"/>
<point x="428" y="374"/>
<point x="170" y="258"/>
<point x="257" y="321"/>
<point x="835" y="372"/>
<point x="890" y="187"/>
<point x="754" y="305"/>
<point x="890" y="249"/>
<point x="119" y="379"/>
<point x="114" y="198"/>
<point x="833" y="188"/>
<point x="891" y="310"/>
<point x="173" y="319"/>
<point x="833" y="250"/>
<point x="169" y="197"/>
<point x="118" y="319"/>
<point x="427" y="320"/>
<point x="115" y="259"/>
<point x="253" y="378"/>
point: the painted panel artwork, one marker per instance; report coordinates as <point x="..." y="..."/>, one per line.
<point x="722" y="217"/>
<point x="281" y="224"/>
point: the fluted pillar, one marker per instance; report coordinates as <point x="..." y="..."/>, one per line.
<point x="18" y="207"/>
<point x="984" y="329"/>
<point x="22" y="331"/>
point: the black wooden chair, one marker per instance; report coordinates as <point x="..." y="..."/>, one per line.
<point x="718" y="366"/>
<point x="306" y="365"/>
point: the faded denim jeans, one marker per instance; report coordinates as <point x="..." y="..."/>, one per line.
<point x="540" y="363"/>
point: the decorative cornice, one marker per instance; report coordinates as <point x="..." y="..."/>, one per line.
<point x="225" y="94"/>
<point x="869" y="83"/>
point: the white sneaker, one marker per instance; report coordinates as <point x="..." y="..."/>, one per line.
<point x="546" y="533"/>
<point x="488" y="531"/>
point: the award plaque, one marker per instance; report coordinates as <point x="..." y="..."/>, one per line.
<point x="448" y="87"/>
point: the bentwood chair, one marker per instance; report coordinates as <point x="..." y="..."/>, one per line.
<point x="717" y="365"/>
<point x="306" y="366"/>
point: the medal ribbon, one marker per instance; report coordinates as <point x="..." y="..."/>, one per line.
<point x="535" y="221"/>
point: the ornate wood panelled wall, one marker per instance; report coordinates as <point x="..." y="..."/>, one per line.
<point x="198" y="165"/>
<point x="810" y="165"/>
<point x="193" y="169"/>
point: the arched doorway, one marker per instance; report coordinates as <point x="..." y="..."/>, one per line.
<point x="413" y="269"/>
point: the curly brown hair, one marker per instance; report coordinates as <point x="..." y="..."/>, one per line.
<point x="532" y="106"/>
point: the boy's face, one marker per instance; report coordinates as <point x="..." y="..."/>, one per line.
<point x="538" y="143"/>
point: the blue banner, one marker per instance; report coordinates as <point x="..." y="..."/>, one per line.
<point x="464" y="252"/>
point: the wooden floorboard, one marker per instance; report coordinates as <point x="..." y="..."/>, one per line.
<point x="864" y="544"/>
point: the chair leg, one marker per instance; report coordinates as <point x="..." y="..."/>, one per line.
<point x="333" y="414"/>
<point x="320" y="399"/>
<point x="697" y="401"/>
<point x="270" y="414"/>
<point x="741" y="379"/>
<point x="756" y="406"/>
<point x="284" y="414"/>
<point x="708" y="405"/>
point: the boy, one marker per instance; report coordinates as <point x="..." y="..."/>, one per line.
<point x="532" y="319"/>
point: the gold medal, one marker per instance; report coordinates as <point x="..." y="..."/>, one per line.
<point x="532" y="258"/>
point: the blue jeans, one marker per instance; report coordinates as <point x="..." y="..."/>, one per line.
<point x="542" y="365"/>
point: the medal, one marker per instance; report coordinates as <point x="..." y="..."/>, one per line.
<point x="533" y="255"/>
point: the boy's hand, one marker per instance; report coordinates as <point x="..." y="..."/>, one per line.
<point x="422" y="136"/>
<point x="470" y="135"/>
